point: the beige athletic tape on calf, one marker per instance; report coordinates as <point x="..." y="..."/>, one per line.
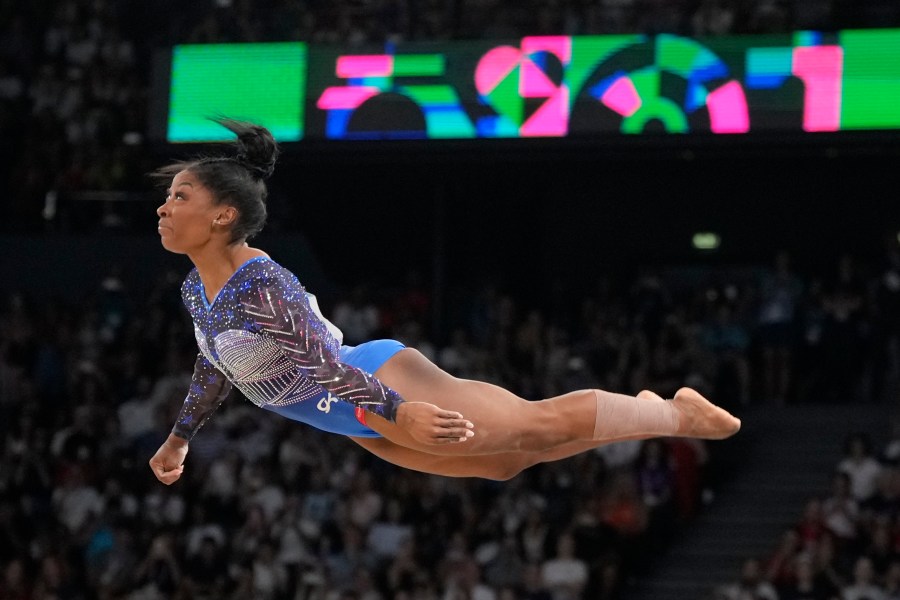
<point x="620" y="416"/>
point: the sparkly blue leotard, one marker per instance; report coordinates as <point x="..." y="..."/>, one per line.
<point x="265" y="335"/>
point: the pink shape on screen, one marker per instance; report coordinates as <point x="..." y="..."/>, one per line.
<point x="622" y="97"/>
<point x="375" y="65"/>
<point x="728" y="109"/>
<point x="551" y="119"/>
<point x="345" y="97"/>
<point x="496" y="64"/>
<point x="821" y="68"/>
<point x="533" y="82"/>
<point x="560" y="45"/>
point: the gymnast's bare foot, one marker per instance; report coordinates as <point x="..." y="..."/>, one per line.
<point x="698" y="417"/>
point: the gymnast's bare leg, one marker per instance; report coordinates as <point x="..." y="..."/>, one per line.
<point x="499" y="466"/>
<point x="506" y="423"/>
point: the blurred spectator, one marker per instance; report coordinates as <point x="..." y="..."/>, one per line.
<point x="863" y="586"/>
<point x="885" y="504"/>
<point x="463" y="582"/>
<point x="780" y="567"/>
<point x="158" y="574"/>
<point x="880" y="549"/>
<point x="269" y="576"/>
<point x="811" y="526"/>
<point x="389" y="534"/>
<point x="728" y="341"/>
<point x="844" y="332"/>
<point x="892" y="582"/>
<point x="805" y="585"/>
<point x="655" y="481"/>
<point x="564" y="575"/>
<point x="14" y="584"/>
<point x="689" y="461"/>
<point x="860" y="466"/>
<point x="841" y="510"/>
<point x="204" y="575"/>
<point x="77" y="502"/>
<point x="506" y="568"/>
<point x="779" y="293"/>
<point x="750" y="586"/>
<point x="357" y="317"/>
<point x="885" y="308"/>
<point x="825" y="563"/>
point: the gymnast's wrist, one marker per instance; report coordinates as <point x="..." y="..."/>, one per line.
<point x="395" y="408"/>
<point x="175" y="442"/>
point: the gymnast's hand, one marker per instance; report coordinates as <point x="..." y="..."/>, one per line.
<point x="432" y="425"/>
<point x="167" y="463"/>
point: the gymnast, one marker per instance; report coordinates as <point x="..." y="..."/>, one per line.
<point x="258" y="329"/>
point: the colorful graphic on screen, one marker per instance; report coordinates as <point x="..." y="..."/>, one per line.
<point x="544" y="86"/>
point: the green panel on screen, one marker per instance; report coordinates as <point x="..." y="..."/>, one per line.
<point x="265" y="83"/>
<point x="419" y="65"/>
<point x="871" y="79"/>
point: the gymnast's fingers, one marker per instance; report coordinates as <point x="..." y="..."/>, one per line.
<point x="454" y="419"/>
<point x="170" y="477"/>
<point x="457" y="424"/>
<point x="166" y="477"/>
<point x="452" y="434"/>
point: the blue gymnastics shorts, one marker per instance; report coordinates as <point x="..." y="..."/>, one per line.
<point x="330" y="414"/>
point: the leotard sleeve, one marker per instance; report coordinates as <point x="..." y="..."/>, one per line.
<point x="209" y="387"/>
<point x="282" y="311"/>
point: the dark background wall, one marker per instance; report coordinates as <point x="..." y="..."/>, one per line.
<point x="520" y="214"/>
<point x="537" y="210"/>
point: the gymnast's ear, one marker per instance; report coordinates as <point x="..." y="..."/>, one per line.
<point x="227" y="215"/>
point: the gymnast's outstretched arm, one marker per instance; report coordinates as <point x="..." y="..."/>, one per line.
<point x="209" y="388"/>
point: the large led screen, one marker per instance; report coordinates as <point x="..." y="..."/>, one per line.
<point x="543" y="86"/>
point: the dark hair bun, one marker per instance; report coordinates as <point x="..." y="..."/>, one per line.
<point x="256" y="147"/>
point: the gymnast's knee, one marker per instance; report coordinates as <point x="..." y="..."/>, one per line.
<point x="508" y="469"/>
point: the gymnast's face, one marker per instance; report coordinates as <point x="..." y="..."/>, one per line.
<point x="190" y="219"/>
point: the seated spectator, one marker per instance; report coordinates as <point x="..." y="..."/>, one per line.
<point x="825" y="563"/>
<point x="841" y="510"/>
<point x="357" y="317"/>
<point x="880" y="549"/>
<point x="565" y="575"/>
<point x="886" y="501"/>
<point x="159" y="574"/>
<point x="656" y="480"/>
<point x="892" y="581"/>
<point x="204" y="575"/>
<point x="388" y="534"/>
<point x="750" y="586"/>
<point x="779" y="569"/>
<point x="811" y="525"/>
<point x="860" y="466"/>
<point x="269" y="575"/>
<point x="464" y="582"/>
<point x="864" y="586"/>
<point x="14" y="584"/>
<point x="806" y="584"/>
